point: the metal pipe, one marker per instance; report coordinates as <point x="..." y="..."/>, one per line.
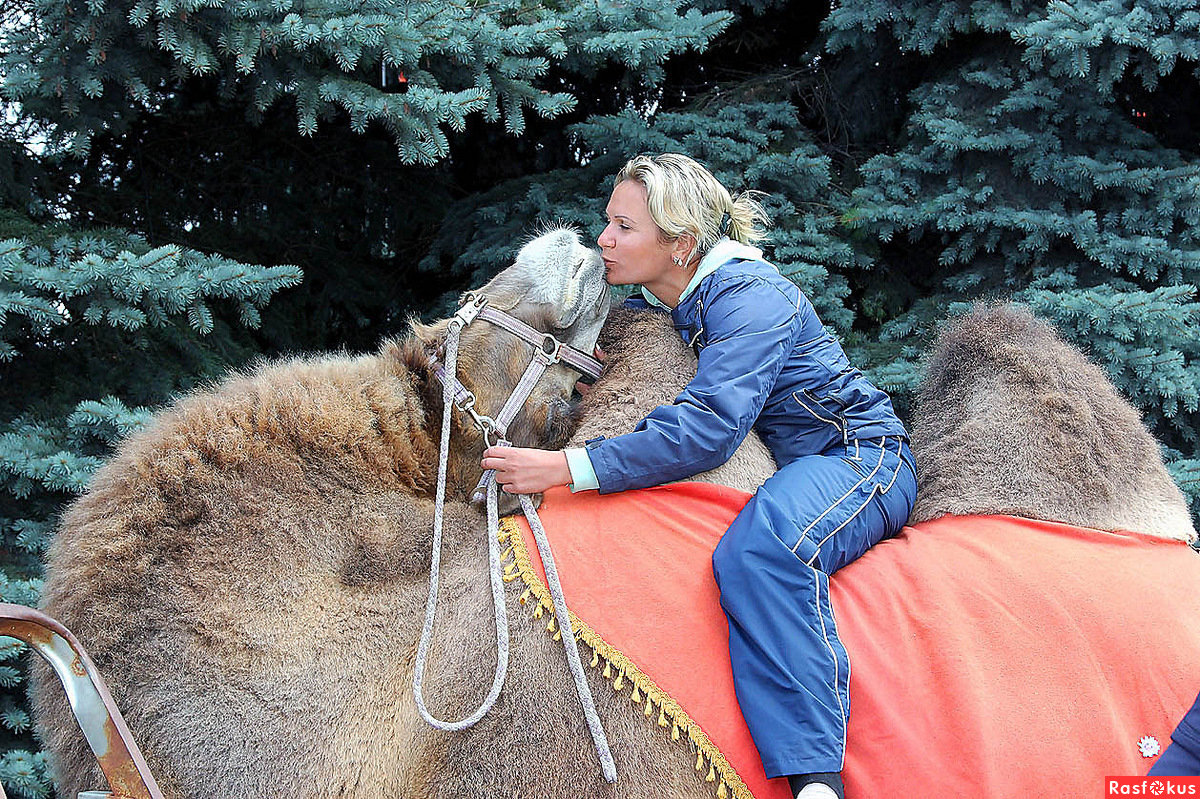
<point x="105" y="730"/>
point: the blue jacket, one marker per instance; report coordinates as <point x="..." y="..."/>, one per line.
<point x="765" y="361"/>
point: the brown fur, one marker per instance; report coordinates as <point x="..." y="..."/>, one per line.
<point x="1012" y="419"/>
<point x="250" y="572"/>
<point x="646" y="365"/>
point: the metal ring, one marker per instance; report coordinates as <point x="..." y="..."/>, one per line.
<point x="555" y="350"/>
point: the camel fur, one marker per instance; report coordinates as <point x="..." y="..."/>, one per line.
<point x="249" y="573"/>
<point x="1010" y="418"/>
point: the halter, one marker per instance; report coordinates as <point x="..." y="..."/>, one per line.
<point x="547" y="350"/>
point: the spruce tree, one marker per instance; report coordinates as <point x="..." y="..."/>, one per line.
<point x="1038" y="161"/>
<point x="96" y="329"/>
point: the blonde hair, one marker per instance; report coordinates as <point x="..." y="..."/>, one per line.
<point x="684" y="197"/>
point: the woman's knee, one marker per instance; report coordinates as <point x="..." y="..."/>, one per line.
<point x="729" y="558"/>
<point x="753" y="543"/>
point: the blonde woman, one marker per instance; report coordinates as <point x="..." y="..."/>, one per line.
<point x="845" y="481"/>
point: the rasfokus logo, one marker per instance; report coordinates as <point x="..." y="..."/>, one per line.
<point x="1152" y="786"/>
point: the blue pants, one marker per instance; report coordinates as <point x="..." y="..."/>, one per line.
<point x="790" y="670"/>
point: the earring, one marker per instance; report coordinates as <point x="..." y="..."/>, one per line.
<point x="677" y="261"/>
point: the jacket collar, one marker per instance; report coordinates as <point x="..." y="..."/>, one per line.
<point x="722" y="252"/>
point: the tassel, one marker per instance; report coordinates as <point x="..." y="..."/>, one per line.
<point x="595" y="658"/>
<point x="674" y="731"/>
<point x="525" y="596"/>
<point x="620" y="681"/>
<point x="607" y="670"/>
<point x="699" y="759"/>
<point x="662" y="717"/>
<point x="634" y="696"/>
<point x="558" y="635"/>
<point x="508" y="578"/>
<point x="649" y="707"/>
<point x="712" y="774"/>
<point x="537" y="612"/>
<point x="722" y="791"/>
<point x="552" y="626"/>
<point x="508" y="553"/>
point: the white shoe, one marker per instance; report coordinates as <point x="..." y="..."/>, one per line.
<point x="816" y="790"/>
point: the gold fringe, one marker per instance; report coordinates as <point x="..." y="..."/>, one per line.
<point x="729" y="783"/>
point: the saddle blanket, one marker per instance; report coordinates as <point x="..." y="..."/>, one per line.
<point x="990" y="655"/>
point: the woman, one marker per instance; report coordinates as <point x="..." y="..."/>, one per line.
<point x="845" y="478"/>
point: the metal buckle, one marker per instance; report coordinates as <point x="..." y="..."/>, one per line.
<point x="469" y="310"/>
<point x="484" y="424"/>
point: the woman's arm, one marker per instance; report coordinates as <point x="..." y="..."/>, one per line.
<point x="751" y="325"/>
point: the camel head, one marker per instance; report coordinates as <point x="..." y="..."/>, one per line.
<point x="556" y="286"/>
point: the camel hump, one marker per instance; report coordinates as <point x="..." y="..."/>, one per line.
<point x="1010" y="418"/>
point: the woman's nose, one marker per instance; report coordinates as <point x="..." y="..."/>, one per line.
<point x="604" y="239"/>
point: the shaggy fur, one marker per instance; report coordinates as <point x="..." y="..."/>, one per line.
<point x="1012" y="419"/>
<point x="646" y="365"/>
<point x="250" y="572"/>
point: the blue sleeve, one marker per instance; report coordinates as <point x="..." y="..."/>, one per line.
<point x="750" y="326"/>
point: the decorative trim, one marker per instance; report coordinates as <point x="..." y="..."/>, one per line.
<point x="619" y="669"/>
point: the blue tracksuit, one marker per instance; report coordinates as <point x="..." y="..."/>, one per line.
<point x="845" y="481"/>
<point x="1182" y="757"/>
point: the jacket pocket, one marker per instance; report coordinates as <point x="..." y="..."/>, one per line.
<point x="828" y="410"/>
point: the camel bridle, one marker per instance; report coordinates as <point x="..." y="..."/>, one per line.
<point x="547" y="351"/>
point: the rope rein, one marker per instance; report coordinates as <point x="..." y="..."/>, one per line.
<point x="548" y="350"/>
<point x="497" y="577"/>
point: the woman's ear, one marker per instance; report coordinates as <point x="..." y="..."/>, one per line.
<point x="685" y="245"/>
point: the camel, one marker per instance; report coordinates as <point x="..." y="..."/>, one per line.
<point x="249" y="572"/>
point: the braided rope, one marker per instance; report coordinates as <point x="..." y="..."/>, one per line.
<point x="607" y="766"/>
<point x="591" y="717"/>
<point x="497" y="577"/>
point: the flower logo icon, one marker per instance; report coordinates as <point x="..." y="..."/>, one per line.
<point x="1157" y="788"/>
<point x="1148" y="746"/>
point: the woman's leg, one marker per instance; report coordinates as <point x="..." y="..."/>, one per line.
<point x="790" y="670"/>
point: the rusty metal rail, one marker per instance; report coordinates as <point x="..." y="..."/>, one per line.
<point x="105" y="730"/>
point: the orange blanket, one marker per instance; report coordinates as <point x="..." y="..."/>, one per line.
<point x="990" y="656"/>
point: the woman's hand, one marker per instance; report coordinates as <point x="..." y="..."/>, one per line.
<point x="520" y="470"/>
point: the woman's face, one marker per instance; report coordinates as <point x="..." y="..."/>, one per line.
<point x="631" y="244"/>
